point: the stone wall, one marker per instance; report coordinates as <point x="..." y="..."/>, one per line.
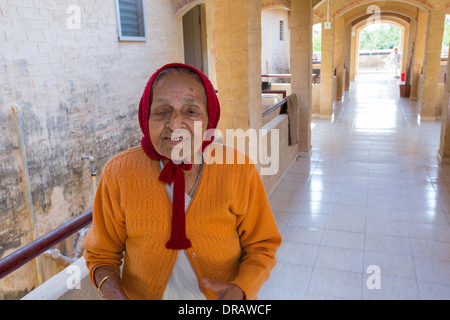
<point x="78" y="90"/>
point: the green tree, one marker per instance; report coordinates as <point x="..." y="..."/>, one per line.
<point x="317" y="37"/>
<point x="380" y="36"/>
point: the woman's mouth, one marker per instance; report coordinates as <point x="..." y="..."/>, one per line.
<point x="174" y="140"/>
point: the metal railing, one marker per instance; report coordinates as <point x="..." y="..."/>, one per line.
<point x="274" y="107"/>
<point x="276" y="75"/>
<point x="32" y="250"/>
<point x="286" y="75"/>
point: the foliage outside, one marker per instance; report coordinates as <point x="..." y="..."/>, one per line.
<point x="446" y="39"/>
<point x="380" y="36"/>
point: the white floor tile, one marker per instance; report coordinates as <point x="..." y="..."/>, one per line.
<point x="340" y="259"/>
<point x="392" y="265"/>
<point x="297" y="253"/>
<point x="336" y="283"/>
<point x="387" y="244"/>
<point x="342" y="239"/>
<point x="391" y="288"/>
<point x="308" y="220"/>
<point x="433" y="291"/>
<point x="302" y="235"/>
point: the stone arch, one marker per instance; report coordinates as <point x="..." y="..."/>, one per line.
<point x="317" y="3"/>
<point x="180" y="7"/>
<point x="401" y="10"/>
<point x="345" y="7"/>
<point x="383" y="15"/>
<point x="275" y="4"/>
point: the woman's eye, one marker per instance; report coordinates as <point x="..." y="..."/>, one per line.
<point x="160" y="112"/>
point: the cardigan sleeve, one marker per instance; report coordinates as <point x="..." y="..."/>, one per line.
<point x="105" y="242"/>
<point x="259" y="237"/>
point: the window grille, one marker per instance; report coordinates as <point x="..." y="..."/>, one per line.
<point x="281" y="30"/>
<point x="131" y="20"/>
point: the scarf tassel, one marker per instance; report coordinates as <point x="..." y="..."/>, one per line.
<point x="174" y="173"/>
<point x="178" y="244"/>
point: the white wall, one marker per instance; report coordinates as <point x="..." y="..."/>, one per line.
<point x="273" y="50"/>
<point x="79" y="90"/>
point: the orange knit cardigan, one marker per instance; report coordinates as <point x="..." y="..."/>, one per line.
<point x="229" y="222"/>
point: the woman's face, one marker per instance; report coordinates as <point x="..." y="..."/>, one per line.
<point x="178" y="101"/>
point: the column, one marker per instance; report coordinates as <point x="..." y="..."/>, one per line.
<point x="327" y="69"/>
<point x="238" y="68"/>
<point x="339" y="37"/>
<point x="353" y="55"/>
<point x="411" y="48"/>
<point x="444" y="149"/>
<point x="405" y="48"/>
<point x="347" y="54"/>
<point x="435" y="30"/>
<point x="301" y="68"/>
<point x="419" y="51"/>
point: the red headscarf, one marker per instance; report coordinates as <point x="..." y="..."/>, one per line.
<point x="174" y="172"/>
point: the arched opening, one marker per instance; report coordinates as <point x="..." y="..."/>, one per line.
<point x="380" y="49"/>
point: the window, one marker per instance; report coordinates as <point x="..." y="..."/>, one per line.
<point x="130" y="14"/>
<point x="281" y="30"/>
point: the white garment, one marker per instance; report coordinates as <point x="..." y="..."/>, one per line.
<point x="183" y="283"/>
<point x="393" y="60"/>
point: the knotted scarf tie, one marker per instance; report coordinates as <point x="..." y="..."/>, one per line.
<point x="173" y="173"/>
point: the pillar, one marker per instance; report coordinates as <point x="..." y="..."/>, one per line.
<point x="327" y="68"/>
<point x="353" y="58"/>
<point x="347" y="54"/>
<point x="238" y="68"/>
<point x="444" y="148"/>
<point x="339" y="38"/>
<point x="357" y="36"/>
<point x="411" y="49"/>
<point x="435" y="30"/>
<point x="301" y="68"/>
<point x="405" y="47"/>
<point x="419" y="51"/>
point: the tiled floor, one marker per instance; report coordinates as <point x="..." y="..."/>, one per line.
<point x="370" y="201"/>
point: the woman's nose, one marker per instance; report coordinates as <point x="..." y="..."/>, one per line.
<point x="175" y="121"/>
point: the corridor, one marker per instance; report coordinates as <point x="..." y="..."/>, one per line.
<point x="371" y="194"/>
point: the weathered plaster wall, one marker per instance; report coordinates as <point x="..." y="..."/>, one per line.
<point x="78" y="89"/>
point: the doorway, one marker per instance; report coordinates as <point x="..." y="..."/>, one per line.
<point x="194" y="40"/>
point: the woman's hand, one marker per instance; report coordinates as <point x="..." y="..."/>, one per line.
<point x="224" y="290"/>
<point x="111" y="288"/>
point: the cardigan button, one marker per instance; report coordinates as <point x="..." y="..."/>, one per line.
<point x="193" y="255"/>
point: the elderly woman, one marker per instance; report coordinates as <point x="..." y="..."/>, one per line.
<point x="183" y="229"/>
